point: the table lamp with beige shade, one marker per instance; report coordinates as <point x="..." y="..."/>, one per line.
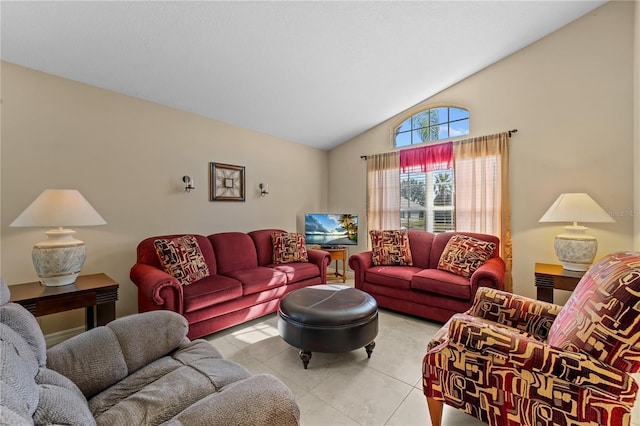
<point x="59" y="259"/>
<point x="575" y="249"/>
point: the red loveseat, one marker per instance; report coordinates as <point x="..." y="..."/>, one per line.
<point x="243" y="283"/>
<point x="422" y="289"/>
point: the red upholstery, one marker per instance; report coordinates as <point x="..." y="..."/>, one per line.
<point x="422" y="289"/>
<point x="238" y="289"/>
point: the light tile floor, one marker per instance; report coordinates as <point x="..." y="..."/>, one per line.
<point x="346" y="388"/>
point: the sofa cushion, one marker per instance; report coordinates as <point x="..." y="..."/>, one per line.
<point x="210" y="291"/>
<point x="442" y="282"/>
<point x="234" y="251"/>
<point x="299" y="271"/>
<point x="601" y="317"/>
<point x="264" y="246"/>
<point x="464" y="254"/>
<point x="390" y="247"/>
<point x="289" y="247"/>
<point x="391" y="276"/>
<point x="258" y="279"/>
<point x="182" y="258"/>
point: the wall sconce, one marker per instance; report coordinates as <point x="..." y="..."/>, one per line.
<point x="264" y="189"/>
<point x="188" y="183"/>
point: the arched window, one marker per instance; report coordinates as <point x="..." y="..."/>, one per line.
<point x="433" y="124"/>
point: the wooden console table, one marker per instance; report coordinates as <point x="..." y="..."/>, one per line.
<point x="96" y="293"/>
<point x="338" y="254"/>
<point x="550" y="277"/>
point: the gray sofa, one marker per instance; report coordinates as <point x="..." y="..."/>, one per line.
<point x="140" y="370"/>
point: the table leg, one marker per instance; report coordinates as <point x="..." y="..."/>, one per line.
<point x="90" y="318"/>
<point x="106" y="312"/>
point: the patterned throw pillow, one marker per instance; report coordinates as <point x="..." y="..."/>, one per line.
<point x="601" y="318"/>
<point x="182" y="258"/>
<point x="391" y="248"/>
<point x="289" y="247"/>
<point x="463" y="255"/>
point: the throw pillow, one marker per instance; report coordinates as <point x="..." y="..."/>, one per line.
<point x="289" y="247"/>
<point x="463" y="255"/>
<point x="182" y="258"/>
<point x="391" y="248"/>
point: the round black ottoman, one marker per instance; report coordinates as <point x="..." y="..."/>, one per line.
<point x="328" y="318"/>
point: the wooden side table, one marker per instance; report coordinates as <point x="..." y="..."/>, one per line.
<point x="550" y="277"/>
<point x="338" y="254"/>
<point x="96" y="293"/>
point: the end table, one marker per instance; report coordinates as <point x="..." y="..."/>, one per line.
<point x="338" y="254"/>
<point x="550" y="277"/>
<point x="96" y="293"/>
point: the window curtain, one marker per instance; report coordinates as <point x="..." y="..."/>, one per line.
<point x="427" y="158"/>
<point x="383" y="192"/>
<point x="481" y="169"/>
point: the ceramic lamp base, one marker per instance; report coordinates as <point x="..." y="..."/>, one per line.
<point x="575" y="249"/>
<point x="59" y="260"/>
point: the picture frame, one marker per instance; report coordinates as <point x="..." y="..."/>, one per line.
<point x="226" y="182"/>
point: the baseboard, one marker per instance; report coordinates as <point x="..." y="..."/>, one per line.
<point x="61" y="336"/>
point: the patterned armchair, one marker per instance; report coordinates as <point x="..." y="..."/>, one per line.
<point x="512" y="360"/>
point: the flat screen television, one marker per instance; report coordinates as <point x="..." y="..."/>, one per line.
<point x="331" y="230"/>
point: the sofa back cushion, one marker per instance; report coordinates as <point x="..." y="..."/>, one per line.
<point x="264" y="246"/>
<point x="420" y="243"/>
<point x="440" y="242"/>
<point x="147" y="254"/>
<point x="602" y="316"/>
<point x="234" y="251"/>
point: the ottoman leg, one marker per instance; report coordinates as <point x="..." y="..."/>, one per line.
<point x="305" y="356"/>
<point x="369" y="348"/>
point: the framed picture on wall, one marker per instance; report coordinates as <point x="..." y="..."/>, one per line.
<point x="226" y="182"/>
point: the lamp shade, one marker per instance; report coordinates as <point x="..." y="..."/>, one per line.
<point x="575" y="207"/>
<point x="575" y="249"/>
<point x="59" y="260"/>
<point x="59" y="207"/>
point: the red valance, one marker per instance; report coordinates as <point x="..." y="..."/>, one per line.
<point x="428" y="158"/>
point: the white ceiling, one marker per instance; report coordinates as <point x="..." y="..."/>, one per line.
<point x="316" y="73"/>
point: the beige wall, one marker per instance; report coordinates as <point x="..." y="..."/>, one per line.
<point x="127" y="157"/>
<point x="570" y="95"/>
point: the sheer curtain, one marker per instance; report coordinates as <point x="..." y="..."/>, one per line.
<point x="481" y="167"/>
<point x="383" y="191"/>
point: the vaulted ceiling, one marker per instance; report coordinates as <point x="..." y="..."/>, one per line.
<point x="313" y="72"/>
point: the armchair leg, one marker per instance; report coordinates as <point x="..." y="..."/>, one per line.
<point x="435" y="411"/>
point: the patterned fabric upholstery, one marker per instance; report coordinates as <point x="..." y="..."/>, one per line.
<point x="390" y="248"/>
<point x="602" y="318"/>
<point x="182" y="258"/>
<point x="463" y="255"/>
<point x="512" y="360"/>
<point x="289" y="247"/>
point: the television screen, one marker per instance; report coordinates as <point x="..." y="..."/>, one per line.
<point x="331" y="230"/>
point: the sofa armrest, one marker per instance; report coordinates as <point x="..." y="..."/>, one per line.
<point x="360" y="262"/>
<point x="490" y="274"/>
<point x="321" y="259"/>
<point x="514" y="351"/>
<point x="101" y="357"/>
<point x="522" y="313"/>
<point x="156" y="289"/>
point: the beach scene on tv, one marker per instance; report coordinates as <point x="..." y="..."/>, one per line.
<point x="331" y="229"/>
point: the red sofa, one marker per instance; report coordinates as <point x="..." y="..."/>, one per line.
<point x="422" y="289"/>
<point x="243" y="283"/>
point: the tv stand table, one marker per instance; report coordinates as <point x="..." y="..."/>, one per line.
<point x="340" y="253"/>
